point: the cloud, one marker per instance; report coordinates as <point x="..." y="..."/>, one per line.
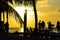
<point x="54" y="3"/>
<point x="47" y="5"/>
<point x="42" y="6"/>
<point x="43" y="3"/>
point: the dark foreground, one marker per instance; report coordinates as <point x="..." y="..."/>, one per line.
<point x="42" y="37"/>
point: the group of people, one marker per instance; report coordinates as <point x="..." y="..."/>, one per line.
<point x="50" y="25"/>
<point x="41" y="24"/>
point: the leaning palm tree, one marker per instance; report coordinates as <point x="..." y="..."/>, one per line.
<point x="36" y="20"/>
<point x="10" y="9"/>
<point x="5" y="7"/>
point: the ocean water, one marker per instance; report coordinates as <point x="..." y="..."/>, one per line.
<point x="12" y="30"/>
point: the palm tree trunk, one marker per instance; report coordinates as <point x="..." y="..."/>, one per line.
<point x="0" y="16"/>
<point x="7" y="15"/>
<point x="3" y="17"/>
<point x="36" y="20"/>
<point x="8" y="9"/>
<point x="25" y="21"/>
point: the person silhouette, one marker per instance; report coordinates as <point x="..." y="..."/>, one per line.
<point x="43" y="25"/>
<point x="58" y="25"/>
<point x="50" y="25"/>
<point x="30" y="29"/>
<point x="7" y="28"/>
<point x="39" y="24"/>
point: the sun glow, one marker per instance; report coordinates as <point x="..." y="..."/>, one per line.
<point x="30" y="14"/>
<point x="21" y="10"/>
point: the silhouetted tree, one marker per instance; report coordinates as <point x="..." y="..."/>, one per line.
<point x="5" y="7"/>
<point x="26" y="3"/>
<point x="35" y="12"/>
<point x="25" y="20"/>
<point x="33" y="3"/>
<point x="9" y="10"/>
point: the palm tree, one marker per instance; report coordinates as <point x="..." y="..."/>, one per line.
<point x="34" y="7"/>
<point x="5" y="7"/>
<point x="35" y="12"/>
<point x="33" y="3"/>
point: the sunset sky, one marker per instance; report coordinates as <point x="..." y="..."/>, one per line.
<point x="47" y="10"/>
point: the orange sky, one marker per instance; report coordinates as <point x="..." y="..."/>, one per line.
<point x="47" y="10"/>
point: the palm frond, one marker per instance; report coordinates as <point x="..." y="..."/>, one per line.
<point x="18" y="1"/>
<point x="12" y="12"/>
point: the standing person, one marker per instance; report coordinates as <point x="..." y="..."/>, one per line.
<point x="50" y="25"/>
<point x="7" y="28"/>
<point x="58" y="25"/>
<point x="39" y="24"/>
<point x="43" y="25"/>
